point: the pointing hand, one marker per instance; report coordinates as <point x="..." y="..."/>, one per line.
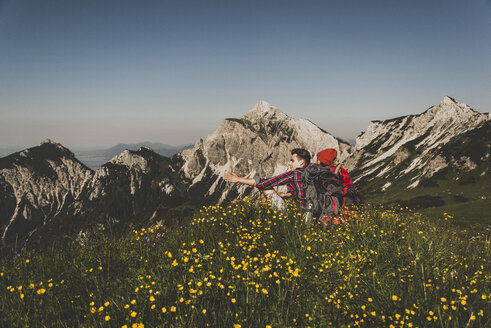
<point x="231" y="177"/>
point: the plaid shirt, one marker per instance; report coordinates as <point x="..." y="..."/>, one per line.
<point x="292" y="179"/>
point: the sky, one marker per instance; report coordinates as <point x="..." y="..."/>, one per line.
<point x="92" y="74"/>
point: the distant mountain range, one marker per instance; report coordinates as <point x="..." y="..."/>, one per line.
<point x="96" y="158"/>
<point x="437" y="160"/>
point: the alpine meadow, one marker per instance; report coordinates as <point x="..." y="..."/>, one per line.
<point x="247" y="265"/>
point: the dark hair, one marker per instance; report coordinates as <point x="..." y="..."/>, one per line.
<point x="302" y="153"/>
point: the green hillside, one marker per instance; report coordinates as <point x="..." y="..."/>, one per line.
<point x="247" y="265"/>
<point x="468" y="203"/>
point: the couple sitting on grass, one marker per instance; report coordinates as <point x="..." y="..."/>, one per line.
<point x="321" y="188"/>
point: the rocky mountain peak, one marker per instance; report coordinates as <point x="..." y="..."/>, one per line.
<point x="54" y="147"/>
<point x="47" y="141"/>
<point x="448" y="101"/>
<point x="450" y="105"/>
<point x="264" y="111"/>
<point x="132" y="159"/>
<point x="448" y="118"/>
<point x="449" y="113"/>
<point x="145" y="148"/>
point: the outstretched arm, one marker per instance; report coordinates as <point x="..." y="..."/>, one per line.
<point x="234" y="178"/>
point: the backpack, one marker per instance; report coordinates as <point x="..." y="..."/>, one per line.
<point x="323" y="190"/>
<point x="350" y="196"/>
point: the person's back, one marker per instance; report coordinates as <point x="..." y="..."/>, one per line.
<point x="328" y="188"/>
<point x="323" y="190"/>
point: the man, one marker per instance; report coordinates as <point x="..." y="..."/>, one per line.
<point x="300" y="158"/>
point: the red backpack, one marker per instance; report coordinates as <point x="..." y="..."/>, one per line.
<point x="350" y="196"/>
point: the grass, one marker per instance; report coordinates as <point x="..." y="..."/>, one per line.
<point x="247" y="265"/>
<point x="471" y="214"/>
<point x="473" y="211"/>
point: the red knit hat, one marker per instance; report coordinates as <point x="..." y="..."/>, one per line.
<point x="327" y="156"/>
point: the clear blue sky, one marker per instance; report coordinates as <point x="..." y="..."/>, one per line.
<point x="96" y="73"/>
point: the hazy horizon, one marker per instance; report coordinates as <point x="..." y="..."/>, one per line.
<point x="91" y="74"/>
<point x="84" y="149"/>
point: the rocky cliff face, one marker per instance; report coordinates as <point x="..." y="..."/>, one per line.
<point x="414" y="151"/>
<point x="46" y="189"/>
<point x="257" y="145"/>
<point x="37" y="184"/>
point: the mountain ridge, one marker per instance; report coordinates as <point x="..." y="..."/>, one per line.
<point x="47" y="185"/>
<point x="400" y="160"/>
